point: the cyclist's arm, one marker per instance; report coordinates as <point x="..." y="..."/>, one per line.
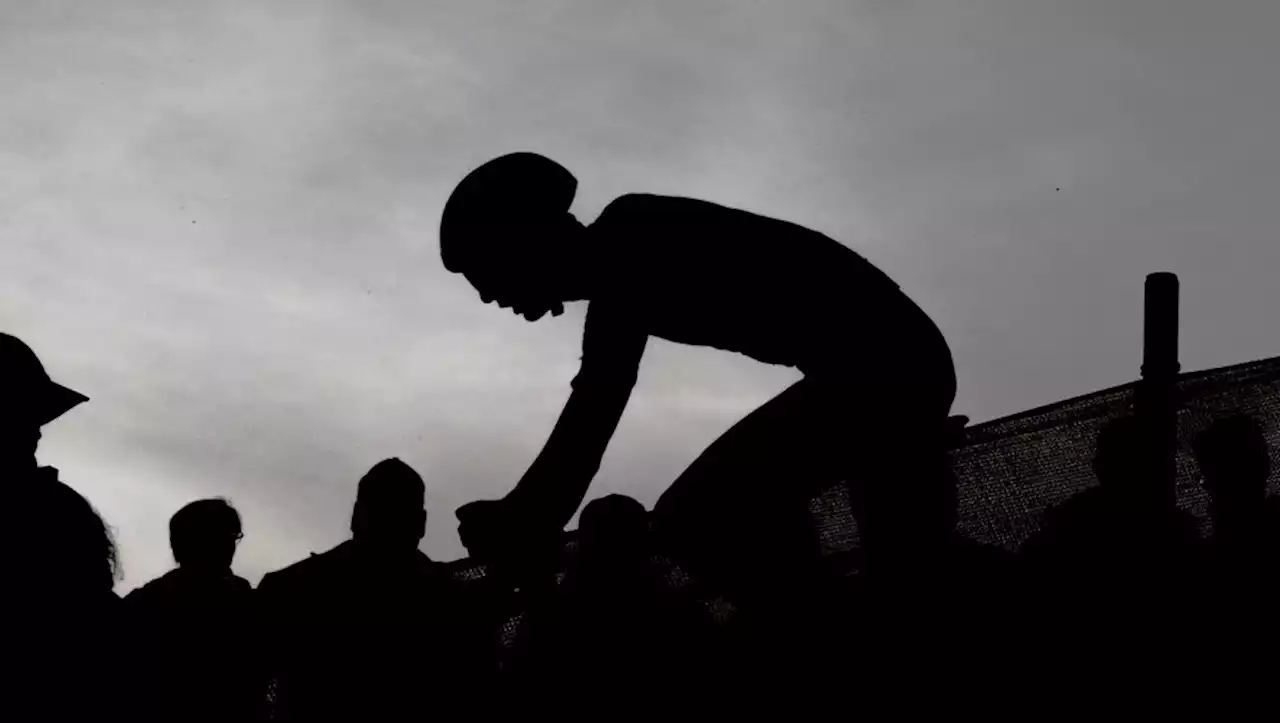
<point x="557" y="481"/>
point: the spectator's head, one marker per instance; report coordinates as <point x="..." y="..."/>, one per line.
<point x="29" y="399"/>
<point x="390" y="507"/>
<point x="507" y="228"/>
<point x="1234" y="460"/>
<point x="1117" y="460"/>
<point x="613" y="530"/>
<point x="204" y="535"/>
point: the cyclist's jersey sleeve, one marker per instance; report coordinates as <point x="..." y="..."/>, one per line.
<point x="613" y="344"/>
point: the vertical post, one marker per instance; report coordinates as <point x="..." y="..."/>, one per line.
<point x="1160" y="328"/>
<point x="1156" y="401"/>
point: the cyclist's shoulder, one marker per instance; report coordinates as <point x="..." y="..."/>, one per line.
<point x="654" y="209"/>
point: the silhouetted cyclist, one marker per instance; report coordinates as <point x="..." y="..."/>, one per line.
<point x="876" y="367"/>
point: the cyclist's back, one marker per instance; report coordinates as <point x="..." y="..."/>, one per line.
<point x="699" y="273"/>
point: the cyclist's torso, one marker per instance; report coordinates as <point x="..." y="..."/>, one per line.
<point x="698" y="273"/>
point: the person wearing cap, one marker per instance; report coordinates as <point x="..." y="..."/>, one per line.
<point x="877" y="371"/>
<point x="60" y="565"/>
<point x="31" y="400"/>
<point x="67" y="549"/>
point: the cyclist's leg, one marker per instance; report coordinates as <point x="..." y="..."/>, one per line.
<point x="739" y="512"/>
<point x="745" y="498"/>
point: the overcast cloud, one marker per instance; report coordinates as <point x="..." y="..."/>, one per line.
<point x="219" y="218"/>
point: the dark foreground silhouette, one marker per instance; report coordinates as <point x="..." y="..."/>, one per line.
<point x="372" y="629"/>
<point x="1235" y="463"/>
<point x="1113" y="535"/>
<point x="722" y="599"/>
<point x="1243" y="570"/>
<point x="62" y="562"/>
<point x="698" y="273"/>
<point x="69" y="557"/>
<point x="198" y="626"/>
<point x="664" y="643"/>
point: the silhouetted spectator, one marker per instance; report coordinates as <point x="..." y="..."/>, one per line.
<point x="68" y="558"/>
<point x="199" y="625"/>
<point x="613" y="538"/>
<point x="618" y="632"/>
<point x="1109" y="561"/>
<point x="878" y="373"/>
<point x="1236" y="463"/>
<point x="61" y="565"/>
<point x="1245" y="549"/>
<point x="1108" y="531"/>
<point x="372" y="629"/>
<point x="930" y="600"/>
<point x="1238" y="600"/>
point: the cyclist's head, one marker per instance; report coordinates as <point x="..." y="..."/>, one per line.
<point x="505" y="228"/>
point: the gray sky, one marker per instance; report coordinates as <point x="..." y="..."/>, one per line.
<point x="219" y="218"/>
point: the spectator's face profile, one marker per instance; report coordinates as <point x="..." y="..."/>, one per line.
<point x="19" y="436"/>
<point x="229" y="548"/>
<point x="220" y="551"/>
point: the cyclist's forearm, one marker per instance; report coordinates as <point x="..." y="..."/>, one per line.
<point x="557" y="481"/>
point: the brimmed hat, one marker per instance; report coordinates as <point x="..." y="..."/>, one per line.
<point x="26" y="386"/>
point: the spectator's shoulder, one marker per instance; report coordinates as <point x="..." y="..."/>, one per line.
<point x="303" y="572"/>
<point x="137" y="596"/>
<point x="152" y="592"/>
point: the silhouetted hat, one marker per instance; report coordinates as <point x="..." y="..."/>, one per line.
<point x="27" y="385"/>
<point x="506" y="190"/>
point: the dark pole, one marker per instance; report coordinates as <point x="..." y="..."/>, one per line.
<point x="1156" y="403"/>
<point x="1160" y="328"/>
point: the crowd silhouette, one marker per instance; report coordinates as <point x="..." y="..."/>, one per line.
<point x="373" y="629"/>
